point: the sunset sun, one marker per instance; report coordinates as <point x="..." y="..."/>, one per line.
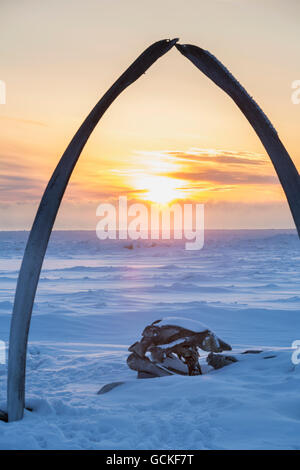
<point x="160" y="189"/>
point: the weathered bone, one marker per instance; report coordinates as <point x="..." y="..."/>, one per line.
<point x="171" y="345"/>
<point x="282" y="162"/>
<point x="42" y="227"/>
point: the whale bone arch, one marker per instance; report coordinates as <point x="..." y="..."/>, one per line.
<point x="43" y="223"/>
<point x="42" y="226"/>
<point x="282" y="162"/>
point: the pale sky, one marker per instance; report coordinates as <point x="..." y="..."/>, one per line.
<point x="59" y="57"/>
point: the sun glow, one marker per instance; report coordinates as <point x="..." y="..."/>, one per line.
<point x="160" y="189"/>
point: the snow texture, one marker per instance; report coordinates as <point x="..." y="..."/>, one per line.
<point x="94" y="300"/>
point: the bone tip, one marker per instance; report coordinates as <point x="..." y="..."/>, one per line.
<point x="180" y="47"/>
<point x="172" y="42"/>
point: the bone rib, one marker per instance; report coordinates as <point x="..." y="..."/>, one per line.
<point x="282" y="162"/>
<point x="42" y="227"/>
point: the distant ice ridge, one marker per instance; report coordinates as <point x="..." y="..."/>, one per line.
<point x="76" y="244"/>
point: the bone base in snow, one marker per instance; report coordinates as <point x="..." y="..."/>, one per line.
<point x="3" y="416"/>
<point x="172" y="346"/>
<point x="108" y="387"/>
<point x="217" y="361"/>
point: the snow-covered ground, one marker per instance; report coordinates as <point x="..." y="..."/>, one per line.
<point x="94" y="298"/>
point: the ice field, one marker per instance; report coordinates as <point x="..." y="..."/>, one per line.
<point x="94" y="299"/>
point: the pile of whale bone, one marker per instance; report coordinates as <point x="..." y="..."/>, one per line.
<point x="173" y="346"/>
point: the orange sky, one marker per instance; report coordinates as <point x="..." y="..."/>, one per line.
<point x="172" y="129"/>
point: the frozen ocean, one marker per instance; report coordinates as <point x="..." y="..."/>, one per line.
<point x="94" y="299"/>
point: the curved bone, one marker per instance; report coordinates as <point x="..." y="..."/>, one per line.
<point x="282" y="162"/>
<point x="42" y="227"/>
